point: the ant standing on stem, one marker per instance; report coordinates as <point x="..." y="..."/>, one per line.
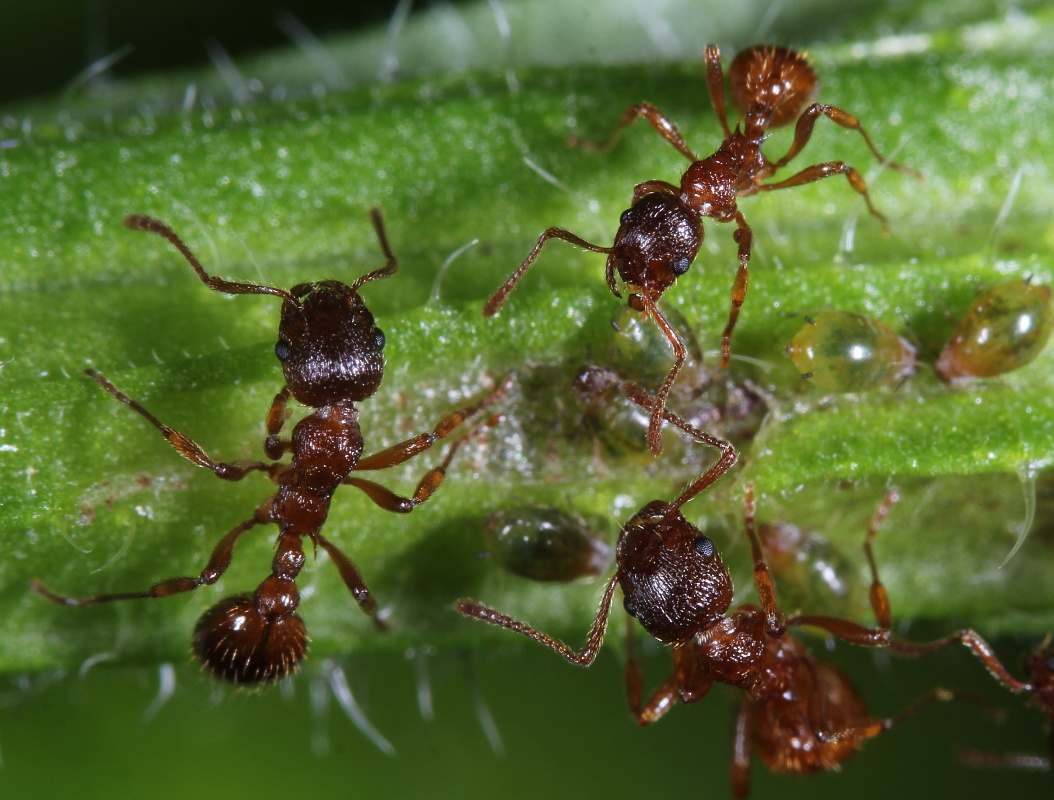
<point x="800" y="714"/>
<point x="331" y="355"/>
<point x="660" y="234"/>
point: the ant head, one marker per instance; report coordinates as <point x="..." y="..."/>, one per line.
<point x="329" y="345"/>
<point x="250" y="639"/>
<point x="657" y="241"/>
<point x="775" y="78"/>
<point x="671" y="575"/>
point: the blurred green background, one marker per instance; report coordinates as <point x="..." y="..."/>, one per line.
<point x="103" y="731"/>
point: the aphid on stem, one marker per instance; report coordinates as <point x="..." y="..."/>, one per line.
<point x="331" y="353"/>
<point x="660" y="234"/>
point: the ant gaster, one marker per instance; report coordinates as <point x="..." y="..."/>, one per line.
<point x="660" y="234"/>
<point x="331" y="355"/>
<point x="800" y="714"/>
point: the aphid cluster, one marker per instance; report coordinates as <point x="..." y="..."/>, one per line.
<point x="796" y="713"/>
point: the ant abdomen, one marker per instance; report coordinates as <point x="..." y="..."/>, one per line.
<point x="777" y="78"/>
<point x="250" y="639"/>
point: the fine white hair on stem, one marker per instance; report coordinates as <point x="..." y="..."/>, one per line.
<point x="166" y="688"/>
<point x="313" y="49"/>
<point x="338" y="682"/>
<point x="389" y="57"/>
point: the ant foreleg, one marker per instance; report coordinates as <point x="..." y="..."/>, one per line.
<point x="497" y="300"/>
<point x="667" y="130"/>
<point x="685" y="685"/>
<point x="728" y="458"/>
<point x="184" y="445"/>
<point x="803" y="132"/>
<point x="744" y="237"/>
<point x="680" y="354"/>
<point x="470" y="608"/>
<point x="218" y="563"/>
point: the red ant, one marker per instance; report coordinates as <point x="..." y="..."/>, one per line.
<point x="331" y="355"/>
<point x="660" y="234"/>
<point x="799" y="713"/>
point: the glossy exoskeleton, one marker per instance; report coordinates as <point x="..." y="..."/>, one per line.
<point x="331" y="353"/>
<point x="660" y="234"/>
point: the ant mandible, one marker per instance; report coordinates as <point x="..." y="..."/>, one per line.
<point x="660" y="234"/>
<point x="331" y="355"/>
<point x="800" y="714"/>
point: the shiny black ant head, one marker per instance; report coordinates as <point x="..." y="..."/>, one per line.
<point x="671" y="575"/>
<point x="253" y="639"/>
<point x="329" y="345"/>
<point x="775" y="78"/>
<point x="657" y="241"/>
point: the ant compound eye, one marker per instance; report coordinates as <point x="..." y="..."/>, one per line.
<point x="378" y="338"/>
<point x="681" y="265"/>
<point x="626" y="216"/>
<point x="704" y="546"/>
<point x="631" y="609"/>
<point x="282" y="350"/>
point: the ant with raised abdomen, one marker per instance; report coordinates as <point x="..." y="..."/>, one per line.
<point x="800" y="714"/>
<point x="331" y="355"/>
<point x="660" y="234"/>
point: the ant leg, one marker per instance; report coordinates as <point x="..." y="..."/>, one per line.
<point x="803" y="132"/>
<point x="881" y="636"/>
<point x="470" y="608"/>
<point x="744" y="237"/>
<point x="715" y="84"/>
<point x="352" y="578"/>
<point x="404" y="451"/>
<point x="216" y="566"/>
<point x="276" y="418"/>
<point x="825" y="170"/>
<point x="667" y="130"/>
<point x="183" y="444"/>
<point x="741" y="752"/>
<point x="139" y="222"/>
<point x="390" y="501"/>
<point x="685" y="684"/>
<point x="497" y="300"/>
<point x="775" y="625"/>
<point x="858" y="733"/>
<point x="851" y="631"/>
<point x="680" y="355"/>
<point x="728" y="458"/>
